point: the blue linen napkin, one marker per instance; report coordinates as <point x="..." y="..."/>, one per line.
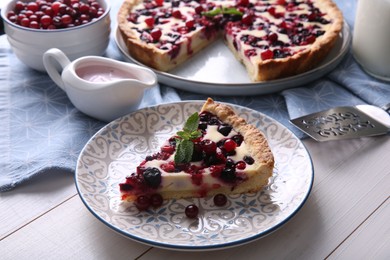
<point x="41" y="131"/>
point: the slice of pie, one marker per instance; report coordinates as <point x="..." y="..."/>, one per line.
<point x="228" y="156"/>
<point x="272" y="38"/>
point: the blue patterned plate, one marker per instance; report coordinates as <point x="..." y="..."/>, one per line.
<point x="117" y="149"/>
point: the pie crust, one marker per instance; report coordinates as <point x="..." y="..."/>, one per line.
<point x="297" y="57"/>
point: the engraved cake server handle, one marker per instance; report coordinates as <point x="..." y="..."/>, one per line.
<point x="345" y="122"/>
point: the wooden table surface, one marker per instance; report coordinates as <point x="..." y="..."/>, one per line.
<point x="345" y="217"/>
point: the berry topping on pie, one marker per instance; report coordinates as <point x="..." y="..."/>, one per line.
<point x="272" y="38"/>
<point x="217" y="152"/>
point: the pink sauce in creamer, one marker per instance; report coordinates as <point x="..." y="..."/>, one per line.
<point x="96" y="73"/>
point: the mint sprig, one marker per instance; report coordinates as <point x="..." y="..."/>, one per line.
<point x="184" y="144"/>
<point x="223" y="10"/>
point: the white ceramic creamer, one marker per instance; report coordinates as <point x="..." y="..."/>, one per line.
<point x="371" y="37"/>
<point x="99" y="87"/>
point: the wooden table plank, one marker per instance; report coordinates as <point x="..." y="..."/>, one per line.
<point x="373" y="234"/>
<point x="69" y="231"/>
<point x="34" y="197"/>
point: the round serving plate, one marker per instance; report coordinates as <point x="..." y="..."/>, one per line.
<point x="115" y="151"/>
<point x="215" y="70"/>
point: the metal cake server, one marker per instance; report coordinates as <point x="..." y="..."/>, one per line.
<point x="345" y="122"/>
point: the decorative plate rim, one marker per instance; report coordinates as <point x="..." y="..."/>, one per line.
<point x="211" y="247"/>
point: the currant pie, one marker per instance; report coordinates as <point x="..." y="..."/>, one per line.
<point x="227" y="156"/>
<point x="272" y="38"/>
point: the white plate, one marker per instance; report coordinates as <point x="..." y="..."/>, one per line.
<point x="215" y="70"/>
<point x="115" y="151"/>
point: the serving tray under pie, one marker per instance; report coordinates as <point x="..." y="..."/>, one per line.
<point x="215" y="70"/>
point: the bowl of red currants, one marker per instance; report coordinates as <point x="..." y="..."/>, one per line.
<point x="76" y="27"/>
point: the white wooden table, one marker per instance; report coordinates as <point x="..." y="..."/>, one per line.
<point x="345" y="217"/>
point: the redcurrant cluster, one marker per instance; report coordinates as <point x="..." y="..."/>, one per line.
<point x="54" y="14"/>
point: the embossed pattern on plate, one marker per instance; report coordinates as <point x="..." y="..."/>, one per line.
<point x="229" y="76"/>
<point x="117" y="149"/>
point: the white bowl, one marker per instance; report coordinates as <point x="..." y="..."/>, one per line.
<point x="29" y="45"/>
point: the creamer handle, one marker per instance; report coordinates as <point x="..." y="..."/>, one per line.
<point x="51" y="59"/>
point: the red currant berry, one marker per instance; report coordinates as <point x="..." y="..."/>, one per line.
<point x="208" y="146"/>
<point x="220" y="200"/>
<point x="216" y="170"/>
<point x="32" y="6"/>
<point x="19" y="6"/>
<point x="310" y="39"/>
<point x="34" y="25"/>
<point x="156" y="34"/>
<point x="66" y="19"/>
<point x="84" y="9"/>
<point x="39" y="14"/>
<point x="312" y="17"/>
<point x="149" y="21"/>
<point x="143" y="202"/>
<point x="76" y="6"/>
<point x="191" y="211"/>
<point x="46" y="21"/>
<point x="93" y="11"/>
<point x="272" y="11"/>
<point x="10" y="14"/>
<point x="25" y="22"/>
<point x="229" y="145"/>
<point x="241" y="165"/>
<point x="243" y="2"/>
<point x="28" y="13"/>
<point x="156" y="200"/>
<point x="57" y="21"/>
<point x="12" y="18"/>
<point x="176" y="14"/>
<point x="266" y="55"/>
<point x="190" y="24"/>
<point x="33" y="18"/>
<point x="199" y="9"/>
<point x="62" y="9"/>
<point x="247" y="19"/>
<point x="95" y="4"/>
<point x="159" y="2"/>
<point x="20" y="17"/>
<point x="47" y="13"/>
<point x="84" y="18"/>
<point x="55" y="7"/>
<point x="168" y="167"/>
<point x="272" y="37"/>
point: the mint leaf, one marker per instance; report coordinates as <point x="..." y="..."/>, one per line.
<point x="195" y="135"/>
<point x="184" y="144"/>
<point x="224" y="10"/>
<point x="184" y="151"/>
<point x="212" y="13"/>
<point x="231" y="11"/>
<point x="192" y="123"/>
<point x="184" y="135"/>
